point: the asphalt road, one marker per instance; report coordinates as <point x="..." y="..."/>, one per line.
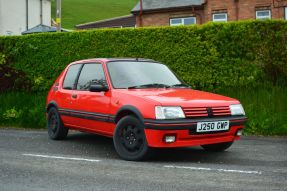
<point x="30" y="161"/>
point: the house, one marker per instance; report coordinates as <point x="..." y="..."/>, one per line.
<point x="17" y="16"/>
<point x="117" y="22"/>
<point x="186" y="12"/>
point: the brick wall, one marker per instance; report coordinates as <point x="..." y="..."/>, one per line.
<point x="163" y="18"/>
<point x="235" y="9"/>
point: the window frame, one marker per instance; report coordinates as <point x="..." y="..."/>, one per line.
<point x="220" y="20"/>
<point x="182" y="21"/>
<point x="263" y="18"/>
<point x="285" y="13"/>
<point x="79" y="74"/>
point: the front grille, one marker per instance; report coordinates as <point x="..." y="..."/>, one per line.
<point x="221" y="111"/>
<point x="195" y="112"/>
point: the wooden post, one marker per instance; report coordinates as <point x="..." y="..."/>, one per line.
<point x="59" y="15"/>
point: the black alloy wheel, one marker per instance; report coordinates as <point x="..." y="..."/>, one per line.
<point x="129" y="139"/>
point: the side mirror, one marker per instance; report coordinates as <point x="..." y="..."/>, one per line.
<point x="98" y="88"/>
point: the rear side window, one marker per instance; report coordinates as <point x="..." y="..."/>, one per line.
<point x="71" y="76"/>
<point x="91" y="74"/>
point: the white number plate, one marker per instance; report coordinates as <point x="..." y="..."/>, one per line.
<point x="212" y="126"/>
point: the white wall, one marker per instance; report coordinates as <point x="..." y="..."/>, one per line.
<point x="47" y="12"/>
<point x="13" y="15"/>
<point x="0" y="16"/>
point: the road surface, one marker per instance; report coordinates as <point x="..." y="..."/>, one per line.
<point x="30" y="161"/>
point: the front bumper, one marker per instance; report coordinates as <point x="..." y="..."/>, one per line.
<point x="185" y="132"/>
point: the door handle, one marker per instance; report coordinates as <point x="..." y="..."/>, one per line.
<point x="74" y="96"/>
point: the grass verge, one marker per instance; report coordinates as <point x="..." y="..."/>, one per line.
<point x="24" y="110"/>
<point x="266" y="108"/>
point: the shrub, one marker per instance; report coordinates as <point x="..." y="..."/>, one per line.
<point x="246" y="60"/>
<point x="206" y="57"/>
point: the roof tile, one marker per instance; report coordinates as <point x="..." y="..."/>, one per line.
<point x="166" y="4"/>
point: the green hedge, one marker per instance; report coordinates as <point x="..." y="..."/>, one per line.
<point x="206" y="57"/>
<point x="245" y="60"/>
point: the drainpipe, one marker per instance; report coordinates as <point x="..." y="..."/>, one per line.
<point x="27" y="14"/>
<point x="237" y="9"/>
<point x="141" y="13"/>
<point x="41" y="12"/>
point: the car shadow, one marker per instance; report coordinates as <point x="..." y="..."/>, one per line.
<point x="101" y="146"/>
<point x="190" y="154"/>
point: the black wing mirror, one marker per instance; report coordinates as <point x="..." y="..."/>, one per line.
<point x="98" y="88"/>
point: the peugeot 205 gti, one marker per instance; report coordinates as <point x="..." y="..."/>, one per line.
<point x="142" y="105"/>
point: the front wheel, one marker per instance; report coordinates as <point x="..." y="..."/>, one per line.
<point x="129" y="139"/>
<point x="219" y="147"/>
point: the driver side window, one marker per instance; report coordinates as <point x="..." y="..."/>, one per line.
<point x="91" y="74"/>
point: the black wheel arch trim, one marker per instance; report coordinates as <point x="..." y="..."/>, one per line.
<point x="129" y="108"/>
<point x="52" y="104"/>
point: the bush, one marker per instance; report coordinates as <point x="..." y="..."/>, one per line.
<point x="22" y="110"/>
<point x="206" y="57"/>
<point x="246" y="60"/>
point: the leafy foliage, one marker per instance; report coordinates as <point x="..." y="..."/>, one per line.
<point x="246" y="60"/>
<point x="206" y="57"/>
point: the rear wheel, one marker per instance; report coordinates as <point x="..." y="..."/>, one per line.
<point x="129" y="139"/>
<point x="219" y="147"/>
<point x="56" y="129"/>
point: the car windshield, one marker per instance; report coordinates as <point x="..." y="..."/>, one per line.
<point x="136" y="75"/>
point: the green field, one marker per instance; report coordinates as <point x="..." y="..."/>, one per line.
<point x="82" y="11"/>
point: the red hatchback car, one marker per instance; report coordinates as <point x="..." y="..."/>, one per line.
<point x="142" y="104"/>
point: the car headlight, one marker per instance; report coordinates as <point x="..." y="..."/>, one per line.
<point x="237" y="109"/>
<point x="168" y="112"/>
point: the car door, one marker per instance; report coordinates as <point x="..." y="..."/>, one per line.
<point x="92" y="108"/>
<point x="64" y="100"/>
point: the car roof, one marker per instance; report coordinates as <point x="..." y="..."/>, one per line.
<point x="112" y="60"/>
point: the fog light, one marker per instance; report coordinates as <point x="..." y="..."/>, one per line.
<point x="239" y="132"/>
<point x="169" y="138"/>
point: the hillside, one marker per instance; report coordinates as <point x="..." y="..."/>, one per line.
<point x="81" y="11"/>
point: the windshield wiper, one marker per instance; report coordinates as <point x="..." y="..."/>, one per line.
<point x="180" y="85"/>
<point x="154" y="85"/>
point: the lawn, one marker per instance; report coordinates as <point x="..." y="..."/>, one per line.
<point x="266" y="109"/>
<point x="81" y="11"/>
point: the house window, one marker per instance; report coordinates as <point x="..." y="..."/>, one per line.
<point x="285" y="13"/>
<point x="263" y="14"/>
<point x="183" y="21"/>
<point x="219" y="17"/>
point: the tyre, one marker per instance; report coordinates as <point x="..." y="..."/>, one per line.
<point x="56" y="129"/>
<point x="219" y="147"/>
<point x="129" y="139"/>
